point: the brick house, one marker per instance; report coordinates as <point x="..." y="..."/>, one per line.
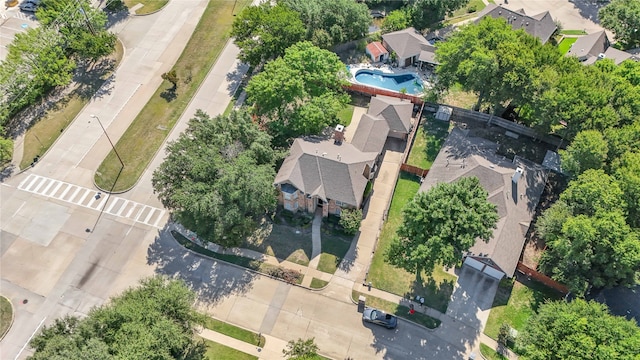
<point x="332" y="173"/>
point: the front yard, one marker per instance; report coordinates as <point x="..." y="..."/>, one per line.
<point x="436" y="287"/>
<point x="282" y="241"/>
<point x="515" y="302"/>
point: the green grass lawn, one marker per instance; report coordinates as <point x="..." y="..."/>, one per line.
<point x="334" y="247"/>
<point x="318" y="283"/>
<point x="436" y="287"/>
<point x="217" y="351"/>
<point x="149" y="5"/>
<point x="282" y="241"/>
<point x="515" y="303"/>
<point x="6" y="314"/>
<point x="147" y="132"/>
<point x="235" y="332"/>
<point x="565" y="44"/>
<point x="573" y="32"/>
<point x="427" y="143"/>
<point x="489" y="353"/>
<point x="345" y="115"/>
<point x="472" y="7"/>
<point x="39" y="137"/>
<point x="398" y="310"/>
<point x="460" y="98"/>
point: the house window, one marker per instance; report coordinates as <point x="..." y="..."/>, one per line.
<point x="290" y="196"/>
<point x="338" y="211"/>
<point x="339" y="203"/>
<point x="288" y="206"/>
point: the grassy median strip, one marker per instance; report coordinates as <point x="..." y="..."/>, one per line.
<point x="218" y="351"/>
<point x="318" y="283"/>
<point x="148" y="6"/>
<point x="490" y="354"/>
<point x="6" y="314"/>
<point x="235" y="332"/>
<point x="398" y="310"/>
<point x="149" y="129"/>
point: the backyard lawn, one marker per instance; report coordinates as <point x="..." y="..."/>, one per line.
<point x="565" y="44"/>
<point x="515" y="302"/>
<point x="427" y="143"/>
<point x="345" y="115"/>
<point x="436" y="287"/>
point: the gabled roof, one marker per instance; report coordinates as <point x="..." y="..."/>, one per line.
<point x="320" y="167"/>
<point x="464" y="156"/>
<point x="618" y="56"/>
<point x="406" y="43"/>
<point x="541" y="25"/>
<point x="376" y="49"/>
<point x="371" y="133"/>
<point x="588" y="46"/>
<point x="396" y="112"/>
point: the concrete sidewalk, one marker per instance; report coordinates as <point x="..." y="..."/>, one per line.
<point x="272" y="349"/>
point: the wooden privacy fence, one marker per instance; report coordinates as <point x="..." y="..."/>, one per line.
<point x="414" y="170"/>
<point x="540" y="277"/>
<point x="375" y="91"/>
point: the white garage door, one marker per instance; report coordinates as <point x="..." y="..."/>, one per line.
<point x="473" y="263"/>
<point x="496" y="274"/>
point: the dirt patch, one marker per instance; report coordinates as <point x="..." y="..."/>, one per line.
<point x="534" y="245"/>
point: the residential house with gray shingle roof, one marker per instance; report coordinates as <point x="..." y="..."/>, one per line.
<point x="410" y="47"/>
<point x="541" y="25"/>
<point x="333" y="174"/>
<point x="514" y="187"/>
<point x="596" y="46"/>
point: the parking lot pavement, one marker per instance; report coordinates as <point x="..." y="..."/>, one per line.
<point x="12" y="22"/>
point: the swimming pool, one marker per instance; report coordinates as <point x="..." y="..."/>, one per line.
<point x="394" y="82"/>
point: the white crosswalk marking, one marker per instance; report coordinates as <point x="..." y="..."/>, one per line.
<point x="84" y="197"/>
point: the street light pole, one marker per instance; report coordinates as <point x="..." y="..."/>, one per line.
<point x="108" y="138"/>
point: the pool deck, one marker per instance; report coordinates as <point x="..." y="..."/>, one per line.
<point x="424" y="75"/>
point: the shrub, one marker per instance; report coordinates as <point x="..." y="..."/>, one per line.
<point x="350" y="220"/>
<point x="288" y="275"/>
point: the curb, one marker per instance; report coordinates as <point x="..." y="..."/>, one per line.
<point x="236" y="265"/>
<point x="13" y="317"/>
<point x="402" y="318"/>
<point x="151" y="13"/>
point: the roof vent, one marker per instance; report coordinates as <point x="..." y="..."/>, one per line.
<point x="517" y="174"/>
<point x="338" y="134"/>
<point x="601" y="56"/>
<point x="324" y="154"/>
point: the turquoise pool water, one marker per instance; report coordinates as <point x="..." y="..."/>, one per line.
<point x="394" y="82"/>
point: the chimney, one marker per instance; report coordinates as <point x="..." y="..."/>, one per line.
<point x="338" y="134"/>
<point x="517" y="174"/>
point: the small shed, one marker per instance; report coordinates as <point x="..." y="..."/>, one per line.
<point x="377" y="52"/>
<point x="444" y="113"/>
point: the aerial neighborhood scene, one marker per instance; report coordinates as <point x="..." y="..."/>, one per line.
<point x="320" y="179"/>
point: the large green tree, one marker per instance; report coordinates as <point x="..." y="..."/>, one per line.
<point x="599" y="251"/>
<point x="587" y="151"/>
<point x="263" y="32"/>
<point x="579" y="330"/>
<point x="623" y="18"/>
<point x="83" y="27"/>
<point x="152" y="321"/>
<point x="429" y="13"/>
<point x="338" y="21"/>
<point x="218" y="177"/>
<point x="396" y="20"/>
<point x="439" y="225"/>
<point x="489" y="59"/>
<point x="627" y="171"/>
<point x="299" y="93"/>
<point x="594" y="191"/>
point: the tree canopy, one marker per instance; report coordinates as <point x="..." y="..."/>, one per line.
<point x="152" y="321"/>
<point x="579" y="330"/>
<point x="332" y="22"/>
<point x="491" y="60"/>
<point x="439" y="225"/>
<point x="263" y="32"/>
<point x="623" y="18"/>
<point x="429" y="13"/>
<point x="396" y="20"/>
<point x="587" y="151"/>
<point x="627" y="172"/>
<point x="589" y="242"/>
<point x="217" y="178"/>
<point x="299" y="93"/>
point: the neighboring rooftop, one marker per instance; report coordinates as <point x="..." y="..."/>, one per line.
<point x="541" y="25"/>
<point x="596" y="46"/>
<point x="516" y="200"/>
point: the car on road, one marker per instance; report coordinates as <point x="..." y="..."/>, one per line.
<point x="29" y="6"/>
<point x="379" y="317"/>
